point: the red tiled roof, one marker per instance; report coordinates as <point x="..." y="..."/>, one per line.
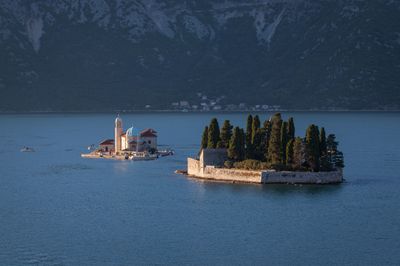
<point x="107" y="142"/>
<point x="148" y="133"/>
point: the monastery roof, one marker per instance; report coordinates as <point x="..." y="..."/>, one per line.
<point x="107" y="142"/>
<point x="148" y="133"/>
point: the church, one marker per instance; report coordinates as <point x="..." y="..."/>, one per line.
<point x="131" y="140"/>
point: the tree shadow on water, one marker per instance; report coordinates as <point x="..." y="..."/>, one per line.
<point x="272" y="189"/>
<point x="309" y="189"/>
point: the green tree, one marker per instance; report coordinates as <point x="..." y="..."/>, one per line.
<point x="213" y="134"/>
<point x="204" y="138"/>
<point x="255" y="126"/>
<point x="339" y="160"/>
<point x="324" y="158"/>
<point x="236" y="145"/>
<point x="284" y="140"/>
<point x="312" y="148"/>
<point x="266" y="137"/>
<point x="335" y="157"/>
<point x="220" y="145"/>
<point x="249" y="134"/>
<point x="291" y="129"/>
<point x="242" y="144"/>
<point x="331" y="148"/>
<point x="258" y="144"/>
<point x="322" y="141"/>
<point x="298" y="153"/>
<point x="256" y="139"/>
<point x="289" y="152"/>
<point x="274" y="145"/>
<point x="226" y="134"/>
<point x="325" y="164"/>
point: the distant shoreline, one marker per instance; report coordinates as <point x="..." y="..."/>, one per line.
<point x="196" y="112"/>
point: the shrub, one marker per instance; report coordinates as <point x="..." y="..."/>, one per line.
<point x="228" y="164"/>
<point x="251" y="165"/>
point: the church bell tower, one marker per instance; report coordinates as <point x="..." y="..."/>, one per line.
<point x="118" y="133"/>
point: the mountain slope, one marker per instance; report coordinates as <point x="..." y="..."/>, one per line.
<point x="109" y="55"/>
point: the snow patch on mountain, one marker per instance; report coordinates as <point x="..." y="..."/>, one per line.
<point x="164" y="23"/>
<point x="34" y="27"/>
<point x="223" y="17"/>
<point x="194" y="25"/>
<point x="265" y="33"/>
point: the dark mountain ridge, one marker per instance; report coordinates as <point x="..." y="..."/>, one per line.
<point x="92" y="55"/>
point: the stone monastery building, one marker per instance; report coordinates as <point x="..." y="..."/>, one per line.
<point x="129" y="141"/>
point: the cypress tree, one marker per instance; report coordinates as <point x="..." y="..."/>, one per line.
<point x="274" y="145"/>
<point x="298" y="153"/>
<point x="322" y="142"/>
<point x="249" y="134"/>
<point x="324" y="159"/>
<point x="204" y="138"/>
<point x="234" y="150"/>
<point x="226" y="134"/>
<point x="289" y="152"/>
<point x="284" y="140"/>
<point x="266" y="138"/>
<point x="220" y="145"/>
<point x="256" y="139"/>
<point x="312" y="148"/>
<point x="242" y="144"/>
<point x="291" y="129"/>
<point x="267" y="124"/>
<point x="254" y="128"/>
<point x="213" y="134"/>
<point x="258" y="144"/>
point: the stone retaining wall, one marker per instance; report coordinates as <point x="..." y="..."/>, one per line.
<point x="193" y="167"/>
<point x="302" y="177"/>
<point x="262" y="177"/>
<point x="237" y="175"/>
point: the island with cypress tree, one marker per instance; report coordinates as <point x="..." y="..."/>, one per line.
<point x="267" y="153"/>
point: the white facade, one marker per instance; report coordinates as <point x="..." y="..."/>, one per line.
<point x="127" y="141"/>
<point x="117" y="134"/>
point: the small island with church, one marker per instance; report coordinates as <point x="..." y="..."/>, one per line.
<point x="267" y="153"/>
<point x="129" y="145"/>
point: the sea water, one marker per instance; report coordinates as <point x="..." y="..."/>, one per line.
<point x="57" y="208"/>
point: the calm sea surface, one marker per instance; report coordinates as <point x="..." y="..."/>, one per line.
<point x="57" y="208"/>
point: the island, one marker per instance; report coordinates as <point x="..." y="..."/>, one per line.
<point x="268" y="153"/>
<point x="131" y="144"/>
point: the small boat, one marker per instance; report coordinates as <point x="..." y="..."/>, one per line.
<point x="27" y="149"/>
<point x="142" y="156"/>
<point x="164" y="153"/>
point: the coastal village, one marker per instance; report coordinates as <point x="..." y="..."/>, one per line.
<point x="131" y="144"/>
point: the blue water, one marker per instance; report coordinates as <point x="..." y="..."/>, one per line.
<point x="59" y="209"/>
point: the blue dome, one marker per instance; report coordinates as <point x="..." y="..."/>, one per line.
<point x="132" y="132"/>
